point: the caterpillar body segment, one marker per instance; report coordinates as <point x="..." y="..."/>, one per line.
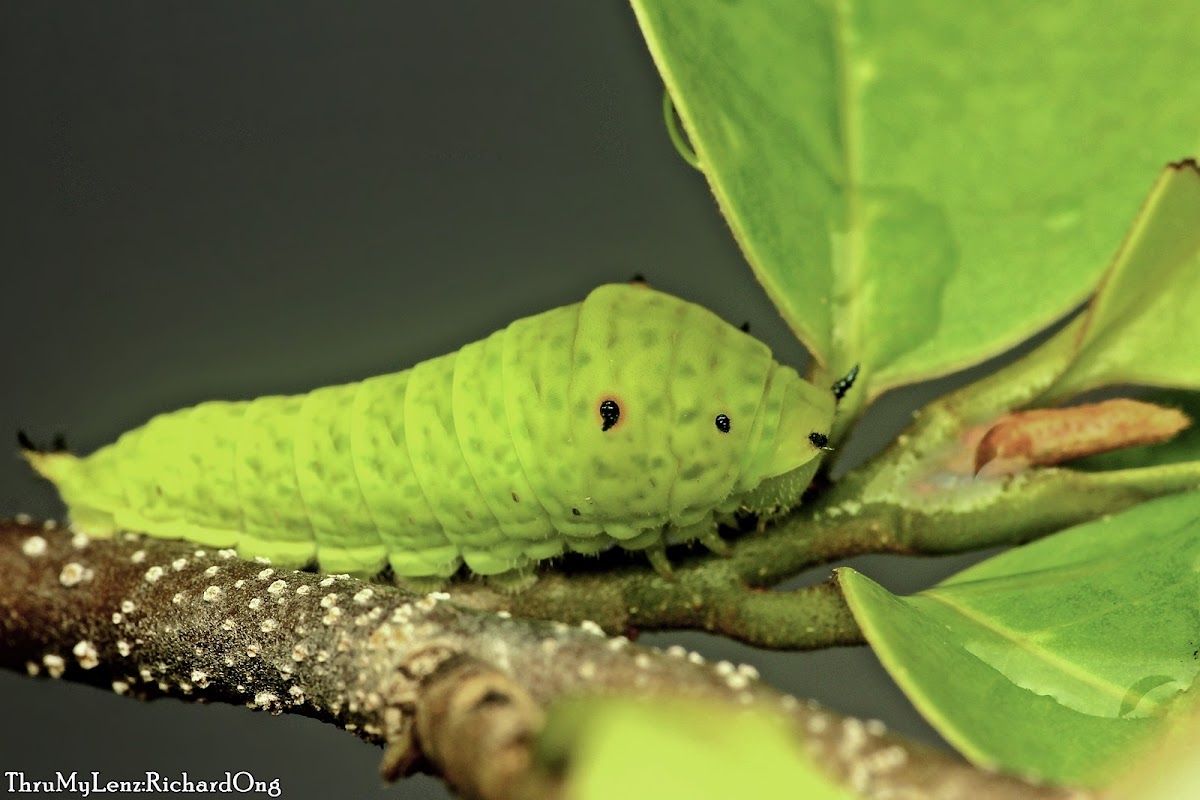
<point x="271" y="519"/>
<point x="535" y="356"/>
<point x="632" y="418"/>
<point x="408" y="527"/>
<point x="482" y="429"/>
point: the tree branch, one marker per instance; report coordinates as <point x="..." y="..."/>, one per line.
<point x="444" y="688"/>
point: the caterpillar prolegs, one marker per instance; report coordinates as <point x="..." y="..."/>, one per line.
<point x="632" y="418"/>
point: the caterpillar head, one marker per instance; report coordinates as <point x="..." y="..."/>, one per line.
<point x="672" y="412"/>
<point x="789" y="446"/>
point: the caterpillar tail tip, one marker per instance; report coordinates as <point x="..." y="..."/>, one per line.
<point x="52" y="464"/>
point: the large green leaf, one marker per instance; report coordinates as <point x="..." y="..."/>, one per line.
<point x="1059" y="658"/>
<point x="662" y="748"/>
<point x="921" y="184"/>
<point x="1144" y="325"/>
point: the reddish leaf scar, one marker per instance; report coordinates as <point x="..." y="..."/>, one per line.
<point x="1045" y="436"/>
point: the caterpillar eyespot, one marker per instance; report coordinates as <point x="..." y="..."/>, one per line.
<point x="610" y="413"/>
<point x="500" y="455"/>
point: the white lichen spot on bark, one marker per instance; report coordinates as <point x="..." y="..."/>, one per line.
<point x="748" y="670"/>
<point x="854" y="736"/>
<point x="85" y="654"/>
<point x="55" y="665"/>
<point x="73" y="573"/>
<point x="34" y="546"/>
<point x="587" y="626"/>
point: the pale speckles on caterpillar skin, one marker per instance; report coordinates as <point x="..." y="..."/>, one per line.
<point x="632" y="419"/>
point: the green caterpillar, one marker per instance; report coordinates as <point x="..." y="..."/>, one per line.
<point x="632" y="418"/>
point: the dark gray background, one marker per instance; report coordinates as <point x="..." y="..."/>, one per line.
<point x="226" y="199"/>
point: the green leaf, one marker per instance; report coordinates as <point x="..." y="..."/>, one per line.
<point x="638" y="748"/>
<point x="1170" y="771"/>
<point x="1149" y="303"/>
<point x="1060" y="658"/>
<point x="919" y="185"/>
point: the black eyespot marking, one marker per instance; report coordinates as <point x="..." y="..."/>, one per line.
<point x="610" y="412"/>
<point x="745" y="327"/>
<point x="575" y="511"/>
<point x="516" y="497"/>
<point x="723" y="424"/>
<point x="843" y="384"/>
<point x="819" y="441"/>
